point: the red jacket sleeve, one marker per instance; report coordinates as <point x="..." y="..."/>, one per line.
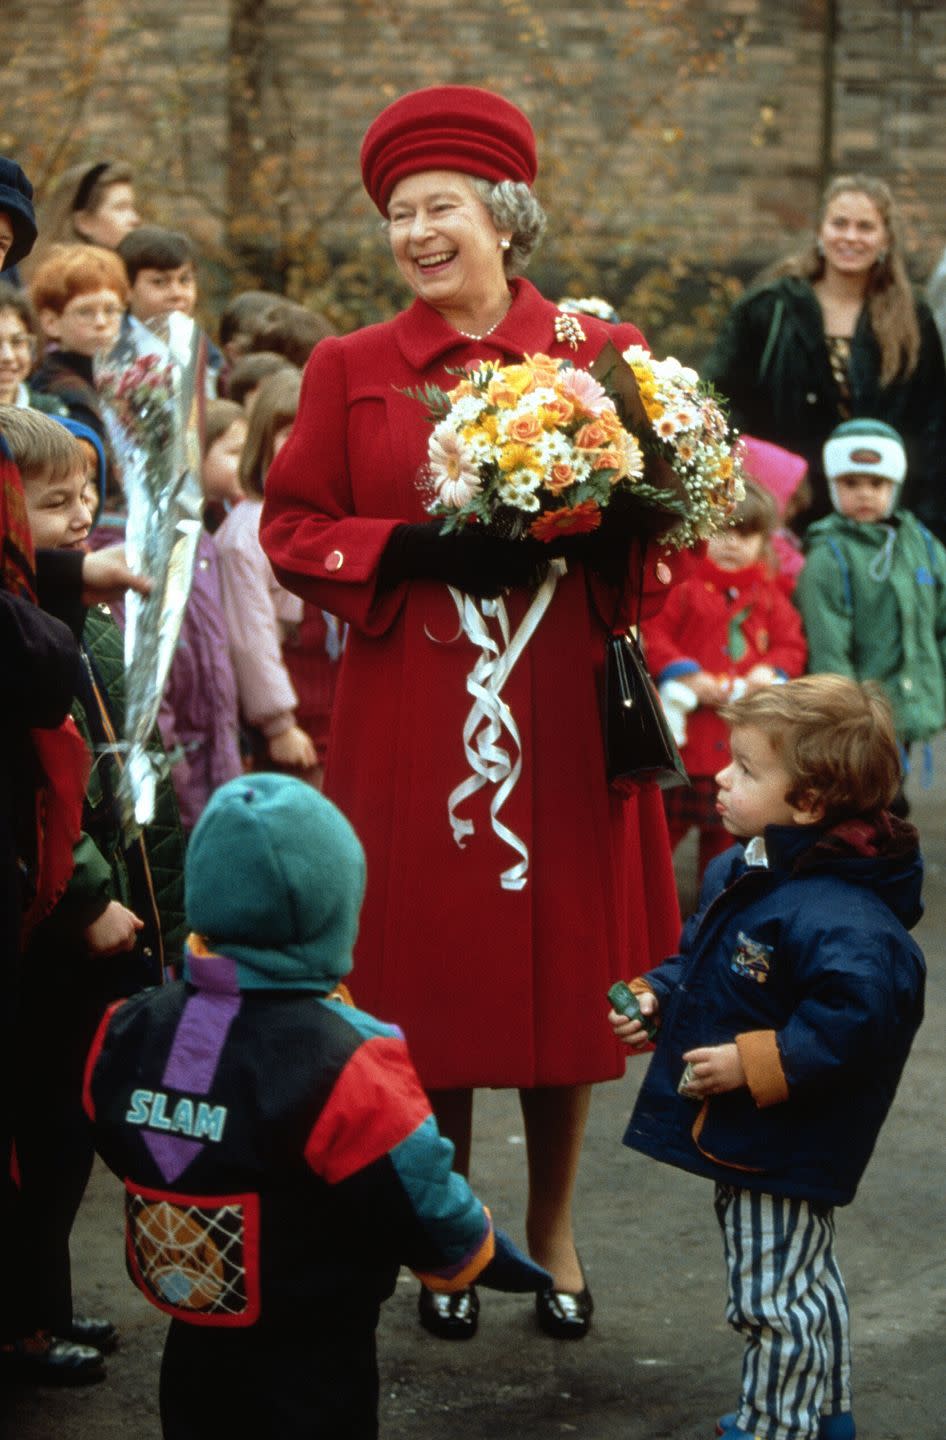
<point x="317" y="546"/>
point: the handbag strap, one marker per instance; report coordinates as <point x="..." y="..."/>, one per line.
<point x="620" y="610"/>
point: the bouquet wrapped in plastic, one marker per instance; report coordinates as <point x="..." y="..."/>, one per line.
<point x="149" y="388"/>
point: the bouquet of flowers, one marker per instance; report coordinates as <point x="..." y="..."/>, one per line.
<point x="149" y="385"/>
<point x="686" y="429"/>
<point x="542" y="448"/>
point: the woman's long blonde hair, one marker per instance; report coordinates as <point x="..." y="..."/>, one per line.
<point x="891" y="308"/>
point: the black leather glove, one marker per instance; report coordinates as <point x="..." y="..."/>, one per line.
<point x="607" y="550"/>
<point x="471" y="559"/>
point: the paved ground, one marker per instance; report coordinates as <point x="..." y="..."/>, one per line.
<point x="660" y="1361"/>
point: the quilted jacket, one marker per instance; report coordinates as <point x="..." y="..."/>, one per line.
<point x="807" y="965"/>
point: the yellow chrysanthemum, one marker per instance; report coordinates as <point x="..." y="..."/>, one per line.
<point x="487" y="425"/>
<point x="519" y="378"/>
<point x="519" y="457"/>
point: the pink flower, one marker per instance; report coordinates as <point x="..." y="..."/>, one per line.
<point x="452" y="469"/>
<point x="584" y="390"/>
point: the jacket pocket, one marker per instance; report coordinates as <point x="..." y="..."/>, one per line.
<point x="731" y="1131"/>
<point x="196" y="1257"/>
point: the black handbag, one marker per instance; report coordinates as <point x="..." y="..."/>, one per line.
<point x="639" y="747"/>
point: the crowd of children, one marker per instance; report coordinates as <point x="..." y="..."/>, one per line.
<point x="238" y="1163"/>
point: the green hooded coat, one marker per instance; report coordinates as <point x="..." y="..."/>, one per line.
<point x="873" y="599"/>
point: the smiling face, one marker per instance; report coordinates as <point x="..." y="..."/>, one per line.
<point x="58" y="510"/>
<point x="867" y="498"/>
<point x="113" y="219"/>
<point x="852" y="234"/>
<point x="445" y="243"/>
<point x="88" y="323"/>
<point x="753" y="786"/>
<point x="16" y="354"/>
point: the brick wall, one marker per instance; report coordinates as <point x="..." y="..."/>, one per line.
<point x="686" y="131"/>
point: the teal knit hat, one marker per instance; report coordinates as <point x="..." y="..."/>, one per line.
<point x="274" y="878"/>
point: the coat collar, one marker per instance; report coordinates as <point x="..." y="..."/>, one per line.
<point x="423" y="336"/>
<point x="732" y="582"/>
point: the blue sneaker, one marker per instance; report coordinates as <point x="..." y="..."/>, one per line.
<point x="831" y="1427"/>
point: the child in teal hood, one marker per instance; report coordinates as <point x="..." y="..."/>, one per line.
<point x="873" y="590"/>
<point x="279" y="1154"/>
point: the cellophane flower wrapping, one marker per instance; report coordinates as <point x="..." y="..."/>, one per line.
<point x="149" y="387"/>
<point x="543" y="448"/>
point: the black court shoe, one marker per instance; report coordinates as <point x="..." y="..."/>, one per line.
<point x="100" y="1334"/>
<point x="449" y="1317"/>
<point x="564" y="1314"/>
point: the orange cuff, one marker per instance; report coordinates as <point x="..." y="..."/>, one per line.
<point x="640" y="986"/>
<point x="763" y="1066"/>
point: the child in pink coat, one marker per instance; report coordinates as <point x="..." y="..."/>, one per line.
<point x="261" y="616"/>
<point x="724" y="631"/>
<point x="784" y="475"/>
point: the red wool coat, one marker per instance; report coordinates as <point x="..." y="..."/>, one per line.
<point x="492" y="987"/>
<point x="693" y="632"/>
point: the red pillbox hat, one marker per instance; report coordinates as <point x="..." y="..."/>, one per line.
<point x="447" y="127"/>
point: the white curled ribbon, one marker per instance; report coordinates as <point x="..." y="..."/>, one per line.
<point x="490" y="762"/>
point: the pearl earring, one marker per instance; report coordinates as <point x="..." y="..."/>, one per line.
<point x="504" y="243"/>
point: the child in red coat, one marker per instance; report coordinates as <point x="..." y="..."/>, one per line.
<point x="725" y="631"/>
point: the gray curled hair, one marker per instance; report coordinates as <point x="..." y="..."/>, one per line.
<point x="513" y="207"/>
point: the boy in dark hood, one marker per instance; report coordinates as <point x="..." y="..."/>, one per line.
<point x="279" y="1155"/>
<point x="785" y="1023"/>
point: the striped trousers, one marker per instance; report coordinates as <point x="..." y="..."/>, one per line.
<point x="787" y="1298"/>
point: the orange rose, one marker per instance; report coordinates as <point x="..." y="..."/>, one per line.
<point x="611" y="424"/>
<point x="501" y="394"/>
<point x="591" y="436"/>
<point x="525" y="428"/>
<point x="609" y="460"/>
<point x="561" y="476"/>
<point x="557" y="411"/>
<point x="544" y="369"/>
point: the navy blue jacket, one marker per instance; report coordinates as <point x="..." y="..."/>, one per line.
<point x="808" y="966"/>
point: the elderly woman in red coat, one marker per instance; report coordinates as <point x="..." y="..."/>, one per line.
<point x="494" y="986"/>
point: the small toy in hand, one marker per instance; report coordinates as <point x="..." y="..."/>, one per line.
<point x="625" y="1002"/>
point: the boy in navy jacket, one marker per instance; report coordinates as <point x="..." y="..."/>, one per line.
<point x="784" y="1025"/>
<point x="279" y="1155"/>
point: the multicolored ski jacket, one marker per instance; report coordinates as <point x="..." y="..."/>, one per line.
<point x="276" y="1148"/>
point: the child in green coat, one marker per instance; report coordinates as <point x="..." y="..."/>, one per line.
<point x="873" y="590"/>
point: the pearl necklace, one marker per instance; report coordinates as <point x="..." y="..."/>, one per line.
<point x="467" y="335"/>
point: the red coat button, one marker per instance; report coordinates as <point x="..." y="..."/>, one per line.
<point x="663" y="572"/>
<point x="334" y="560"/>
